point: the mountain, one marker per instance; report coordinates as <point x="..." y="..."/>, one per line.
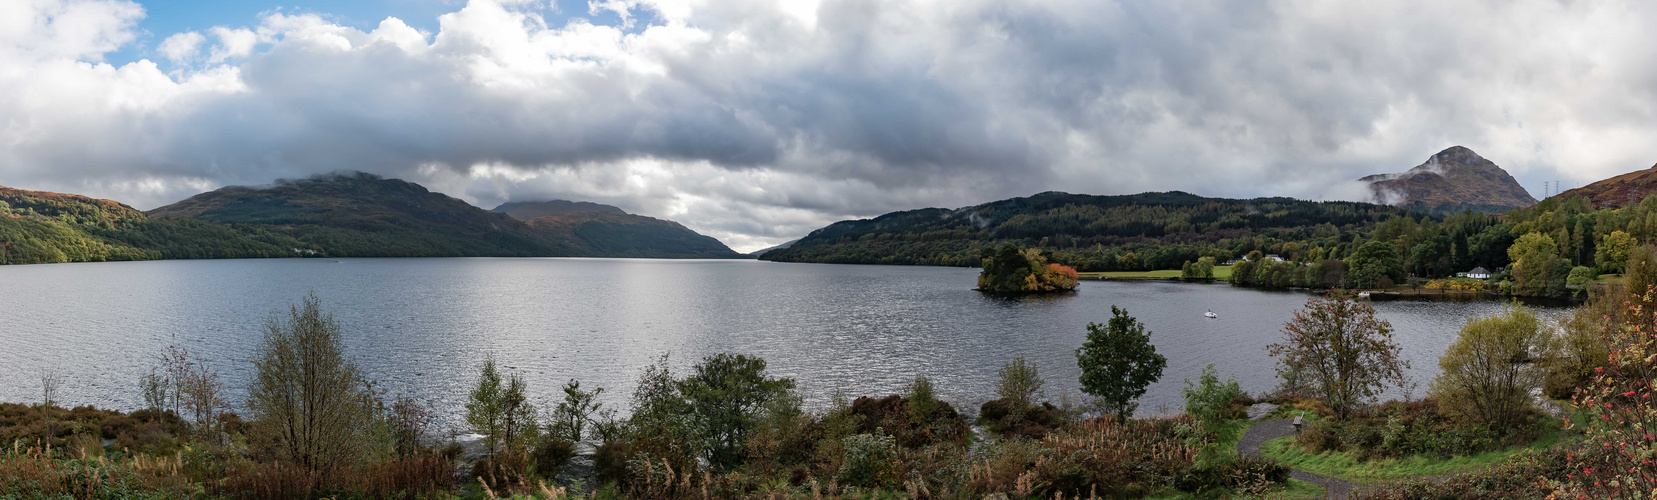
<point x="529" y="210"/>
<point x="362" y="215"/>
<point x="1453" y="180"/>
<point x="41" y="227"/>
<point x="342" y="215"/>
<point x="760" y="252"/>
<point x="1130" y="232"/>
<point x="607" y="234"/>
<point x="1625" y="189"/>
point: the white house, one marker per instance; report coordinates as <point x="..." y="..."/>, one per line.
<point x="1478" y="273"/>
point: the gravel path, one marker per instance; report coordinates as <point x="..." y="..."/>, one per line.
<point x="1268" y="430"/>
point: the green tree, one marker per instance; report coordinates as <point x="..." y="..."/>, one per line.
<point x="1491" y="368"/>
<point x="519" y="430"/>
<point x="726" y="395"/>
<point x="1208" y="401"/>
<point x="1340" y="350"/>
<point x="1372" y="262"/>
<point x="1118" y="362"/>
<point x="310" y="405"/>
<point x="1612" y="254"/>
<point x="486" y="412"/>
<point x="572" y="416"/>
<point x="1535" y="265"/>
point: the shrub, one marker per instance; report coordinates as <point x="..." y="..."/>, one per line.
<point x="550" y="456"/>
<point x="1491" y="368"/>
<point x="1018" y="384"/>
<point x="871" y="461"/>
<point x="891" y="416"/>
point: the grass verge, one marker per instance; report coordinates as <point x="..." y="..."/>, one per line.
<point x="1347" y="467"/>
<point x="1220" y="273"/>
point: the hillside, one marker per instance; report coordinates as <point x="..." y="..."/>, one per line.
<point x="1092" y="233"/>
<point x="361" y="215"/>
<point x="349" y="215"/>
<point x="1622" y="190"/>
<point x="610" y="234"/>
<point x="527" y="210"/>
<point x="42" y="227"/>
<point x="1453" y="180"/>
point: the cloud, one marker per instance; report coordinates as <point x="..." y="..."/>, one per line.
<point x="232" y="43"/>
<point x="756" y="121"/>
<point x="181" y="48"/>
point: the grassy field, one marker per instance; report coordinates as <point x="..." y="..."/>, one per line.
<point x="1350" y="468"/>
<point x="1220" y="273"/>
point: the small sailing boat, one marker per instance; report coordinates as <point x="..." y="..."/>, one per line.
<point x="1210" y="314"/>
<point x="1363" y="294"/>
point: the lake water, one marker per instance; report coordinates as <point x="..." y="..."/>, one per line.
<point x="423" y="326"/>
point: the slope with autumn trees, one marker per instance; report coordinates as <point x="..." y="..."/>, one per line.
<point x="1138" y="232"/>
<point x="1622" y="190"/>
<point x="43" y="227"/>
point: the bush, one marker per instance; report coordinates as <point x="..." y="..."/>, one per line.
<point x="550" y="456"/>
<point x="610" y="461"/>
<point x="871" y="461"/>
<point x="1398" y="429"/>
<point x="1033" y="423"/>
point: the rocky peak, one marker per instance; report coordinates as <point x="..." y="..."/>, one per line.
<point x="1452" y="180"/>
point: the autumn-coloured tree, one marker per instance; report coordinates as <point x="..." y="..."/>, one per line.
<point x="1341" y="350"/>
<point x="1619" y="457"/>
<point x="1011" y="270"/>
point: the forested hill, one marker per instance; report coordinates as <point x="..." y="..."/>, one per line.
<point x="610" y="234"/>
<point x="362" y="215"/>
<point x="349" y="215"/>
<point x="39" y="227"/>
<point x="1093" y="233"/>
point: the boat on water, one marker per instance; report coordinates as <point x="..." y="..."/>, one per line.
<point x="1363" y="295"/>
<point x="1210" y="314"/>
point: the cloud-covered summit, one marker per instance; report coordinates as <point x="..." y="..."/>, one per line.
<point x="757" y="121"/>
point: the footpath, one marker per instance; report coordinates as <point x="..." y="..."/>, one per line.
<point x="1267" y="430"/>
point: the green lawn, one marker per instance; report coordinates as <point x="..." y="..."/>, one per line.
<point x="1220" y="273"/>
<point x="1347" y="467"/>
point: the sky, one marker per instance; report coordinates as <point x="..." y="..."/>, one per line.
<point x="757" y="121"/>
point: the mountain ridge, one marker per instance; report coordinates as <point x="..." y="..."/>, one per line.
<point x="339" y="215"/>
<point x="1617" y="191"/>
<point x="1451" y="180"/>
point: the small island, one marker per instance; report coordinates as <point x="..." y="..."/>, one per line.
<point x="1015" y="271"/>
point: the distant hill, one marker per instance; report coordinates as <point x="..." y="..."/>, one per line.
<point x="762" y="251"/>
<point x="610" y="234"/>
<point x="362" y="215"/>
<point x="1453" y="180"/>
<point x="1625" y="189"/>
<point x="42" y="227"/>
<point x="1142" y="231"/>
<point x="346" y="215"/>
<point x="526" y="210"/>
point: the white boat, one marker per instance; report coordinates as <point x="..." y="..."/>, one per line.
<point x="1363" y="295"/>
<point x="1210" y="314"/>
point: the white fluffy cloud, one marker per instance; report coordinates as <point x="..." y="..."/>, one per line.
<point x="755" y="121"/>
<point x="181" y="48"/>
